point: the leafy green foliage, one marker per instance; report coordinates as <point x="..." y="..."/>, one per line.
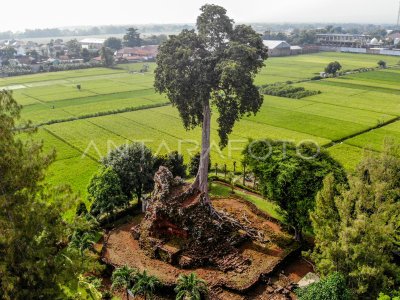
<point x="291" y="176"/>
<point x="395" y="295"/>
<point x="74" y="48"/>
<point x="91" y="285"/>
<point x="190" y="287"/>
<point x="332" y="287"/>
<point x="134" y="165"/>
<point x="107" y="57"/>
<point x="105" y="192"/>
<point x="122" y="278"/>
<point x="382" y="64"/>
<point x="218" y="63"/>
<point x="195" y="163"/>
<point x="132" y="38"/>
<point x="113" y="43"/>
<point x="35" y="262"/>
<point x="356" y="227"/>
<point x="174" y="162"/>
<point x="81" y="209"/>
<point x="81" y="242"/>
<point x="145" y="285"/>
<point x="288" y="91"/>
<point x="333" y="67"/>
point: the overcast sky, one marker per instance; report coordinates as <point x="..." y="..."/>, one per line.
<point x="18" y="15"/>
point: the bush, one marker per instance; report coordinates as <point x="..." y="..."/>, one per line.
<point x="332" y="287"/>
<point x="287" y="91"/>
<point x="195" y="164"/>
<point x="316" y="78"/>
<point x="173" y="161"/>
<point x="382" y="64"/>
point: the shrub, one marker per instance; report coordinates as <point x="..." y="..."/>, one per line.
<point x="287" y="91"/>
<point x="316" y="77"/>
<point x="332" y="287"/>
<point x="173" y="161"/>
<point x="195" y="164"/>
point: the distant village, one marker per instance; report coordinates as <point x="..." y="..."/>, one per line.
<point x="18" y="57"/>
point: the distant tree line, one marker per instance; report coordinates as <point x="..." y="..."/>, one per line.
<point x="96" y="30"/>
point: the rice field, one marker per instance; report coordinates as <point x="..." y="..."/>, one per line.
<point x="117" y="106"/>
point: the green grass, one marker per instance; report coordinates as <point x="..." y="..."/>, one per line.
<point x="282" y="69"/>
<point x="264" y="205"/>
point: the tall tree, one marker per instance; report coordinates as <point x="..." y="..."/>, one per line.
<point x="105" y="192"/>
<point x="113" y="43"/>
<point x="134" y="165"/>
<point x="291" y="176"/>
<point x="132" y="38"/>
<point x="74" y="48"/>
<point x="356" y="228"/>
<point x="7" y="53"/>
<point x="85" y="54"/>
<point x="174" y="162"/>
<point x="215" y="66"/>
<point x="333" y="67"/>
<point x="34" y="261"/>
<point x="107" y="57"/>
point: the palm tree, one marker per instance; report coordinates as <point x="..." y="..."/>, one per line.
<point x="122" y="278"/>
<point x="145" y="285"/>
<point x="91" y="285"/>
<point x="82" y="241"/>
<point x="190" y="287"/>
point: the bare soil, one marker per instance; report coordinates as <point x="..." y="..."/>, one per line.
<point x="120" y="248"/>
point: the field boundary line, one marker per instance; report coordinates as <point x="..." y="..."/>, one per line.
<point x="101" y="114"/>
<point x="69" y="144"/>
<point x="379" y="126"/>
<point x="60" y="79"/>
<point x="91" y="96"/>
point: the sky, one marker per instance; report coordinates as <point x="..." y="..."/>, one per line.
<point x="22" y="14"/>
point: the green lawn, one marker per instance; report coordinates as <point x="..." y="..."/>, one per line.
<point x="265" y="205"/>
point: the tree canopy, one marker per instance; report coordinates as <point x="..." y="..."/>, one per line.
<point x="107" y="57"/>
<point x="132" y="38"/>
<point x="357" y="227"/>
<point x="332" y="287"/>
<point x="105" y="193"/>
<point x="173" y="161"/>
<point x="333" y="67"/>
<point x="74" y="48"/>
<point x="113" y="43"/>
<point x="35" y="262"/>
<point x="291" y="175"/>
<point x="134" y="165"/>
<point x="214" y="66"/>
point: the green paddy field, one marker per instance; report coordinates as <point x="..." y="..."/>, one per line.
<point x="116" y="106"/>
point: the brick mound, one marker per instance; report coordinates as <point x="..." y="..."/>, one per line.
<point x="230" y="244"/>
<point x="180" y="228"/>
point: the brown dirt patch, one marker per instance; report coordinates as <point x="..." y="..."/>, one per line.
<point x="121" y="249"/>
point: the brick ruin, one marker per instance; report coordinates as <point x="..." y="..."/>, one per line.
<point x="180" y="228"/>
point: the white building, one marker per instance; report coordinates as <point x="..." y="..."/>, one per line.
<point x="92" y="43"/>
<point x="277" y="48"/>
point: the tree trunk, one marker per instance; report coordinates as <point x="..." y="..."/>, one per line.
<point x="297" y="235"/>
<point x="139" y="198"/>
<point x="201" y="182"/>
